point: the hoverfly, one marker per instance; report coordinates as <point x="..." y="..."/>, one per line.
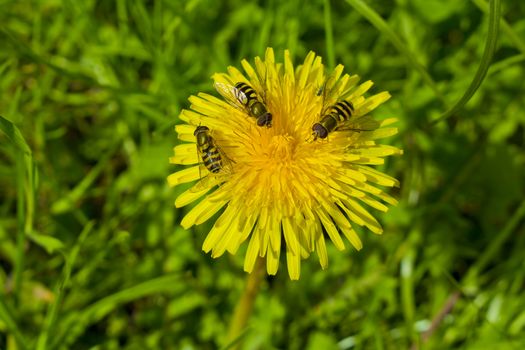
<point x="338" y="114"/>
<point x="243" y="97"/>
<point x="213" y="159"/>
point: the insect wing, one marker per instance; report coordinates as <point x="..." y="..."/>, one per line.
<point x="327" y="93"/>
<point x="365" y="123"/>
<point x="233" y="96"/>
<point x="227" y="166"/>
<point x="205" y="180"/>
<point x="264" y="86"/>
<point x="209" y="179"/>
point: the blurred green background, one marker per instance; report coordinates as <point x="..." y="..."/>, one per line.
<point x="91" y="253"/>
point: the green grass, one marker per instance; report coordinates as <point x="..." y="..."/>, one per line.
<point x="91" y="251"/>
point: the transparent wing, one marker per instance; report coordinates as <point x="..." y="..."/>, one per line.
<point x="209" y="179"/>
<point x="233" y="96"/>
<point x="364" y="123"/>
<point x="205" y="181"/>
<point x="264" y="86"/>
<point x="327" y="91"/>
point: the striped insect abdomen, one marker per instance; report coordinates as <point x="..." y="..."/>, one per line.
<point x="337" y="115"/>
<point x="251" y="96"/>
<point x="342" y="111"/>
<point x="208" y="152"/>
<point x="212" y="159"/>
<point x="257" y="108"/>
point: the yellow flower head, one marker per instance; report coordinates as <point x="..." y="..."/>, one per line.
<point x="280" y="184"/>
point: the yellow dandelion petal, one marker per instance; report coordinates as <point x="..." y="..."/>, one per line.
<point x="249" y="223"/>
<point x="185" y="131"/>
<point x="273" y="231"/>
<point x="201" y="213"/>
<point x="293" y="262"/>
<point x="229" y="221"/>
<point x="291" y="239"/>
<point x="336" y="215"/>
<point x="331" y="229"/>
<point x="186" y="116"/>
<point x="376" y="151"/>
<point x="353" y="238"/>
<point x="274" y="247"/>
<point x="244" y="229"/>
<point x="374" y="204"/>
<point x="320" y="248"/>
<point x="303" y="71"/>
<point x="387" y="198"/>
<point x="379" y="133"/>
<point x="263" y="233"/>
<point x="378" y="177"/>
<point x="235" y="74"/>
<point x="183" y="176"/>
<point x="214" y="236"/>
<point x="350" y="213"/>
<point x="365" y="217"/>
<point x="285" y="159"/>
<point x="388" y="121"/>
<point x="184" y="154"/>
<point x="252" y="253"/>
<point x="189" y="196"/>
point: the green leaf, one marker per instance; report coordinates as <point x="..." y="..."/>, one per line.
<point x="320" y="340"/>
<point x="185" y="304"/>
<point x="50" y="244"/>
<point x="435" y="11"/>
<point x="14" y="134"/>
<point x="232" y="344"/>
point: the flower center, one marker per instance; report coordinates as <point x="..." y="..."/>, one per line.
<point x="281" y="148"/>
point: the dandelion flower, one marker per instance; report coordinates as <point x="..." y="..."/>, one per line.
<point x="282" y="190"/>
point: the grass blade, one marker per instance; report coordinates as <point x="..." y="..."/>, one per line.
<point x="67" y="202"/>
<point x="505" y="26"/>
<point x="20" y="219"/>
<point x="7" y="318"/>
<point x="104" y="306"/>
<point x="59" y="290"/>
<point x="380" y="24"/>
<point x="407" y="293"/>
<point x="14" y="135"/>
<point x="238" y="339"/>
<point x="495" y="246"/>
<point x="329" y="34"/>
<point x="25" y="194"/>
<point x="506" y="63"/>
<point x="486" y="59"/>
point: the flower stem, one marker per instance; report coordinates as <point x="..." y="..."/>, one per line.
<point x="244" y="306"/>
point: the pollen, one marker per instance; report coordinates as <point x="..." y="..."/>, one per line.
<point x="282" y="148"/>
